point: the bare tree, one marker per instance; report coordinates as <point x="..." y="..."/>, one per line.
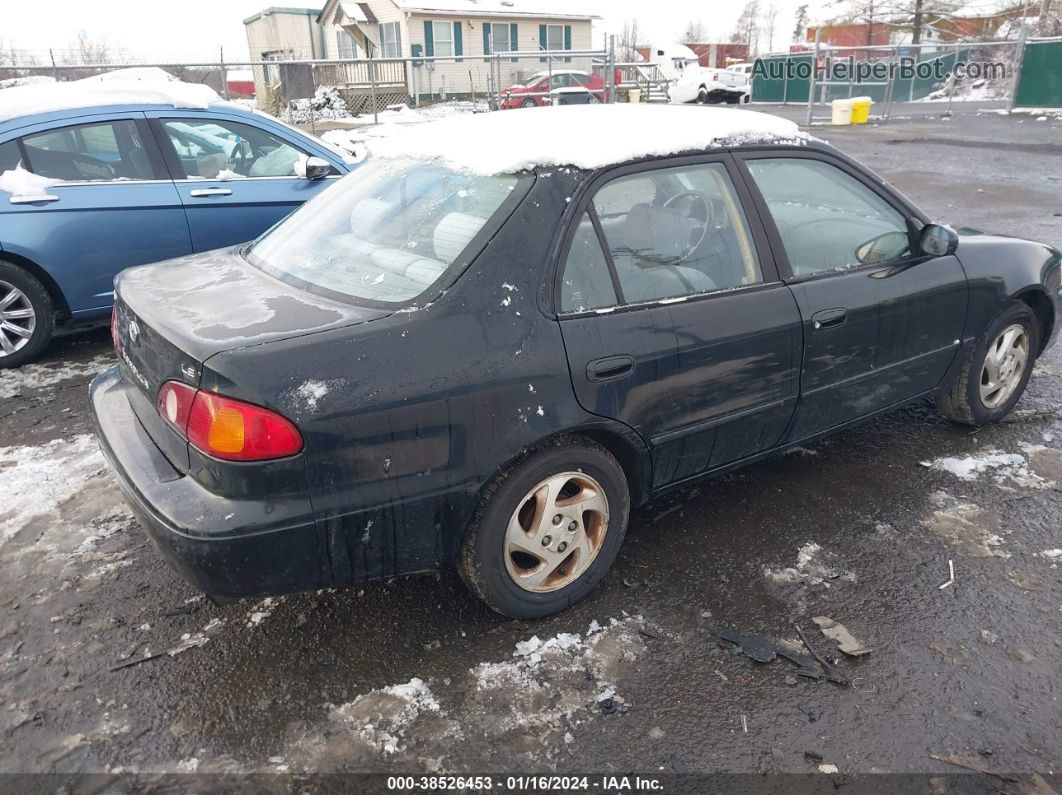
<point x="800" y="22"/>
<point x="770" y="20"/>
<point x="695" y="32"/>
<point x="628" y="44"/>
<point x="747" y="28"/>
<point x="86" y="50"/>
<point x="1050" y="18"/>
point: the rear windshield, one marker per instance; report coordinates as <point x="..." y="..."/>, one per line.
<point x="386" y="233"/>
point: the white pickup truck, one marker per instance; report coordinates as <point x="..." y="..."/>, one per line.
<point x="698" y="83"/>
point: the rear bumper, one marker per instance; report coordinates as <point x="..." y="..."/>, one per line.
<point x="220" y="545"/>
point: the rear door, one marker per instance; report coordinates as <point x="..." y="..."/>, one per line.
<point x="235" y="178"/>
<point x="881" y="324"/>
<point x="673" y="318"/>
<point x="114" y="205"/>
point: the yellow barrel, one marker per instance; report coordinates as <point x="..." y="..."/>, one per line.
<point x="861" y="109"/>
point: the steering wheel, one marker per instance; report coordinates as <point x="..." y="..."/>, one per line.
<point x="238" y="155"/>
<point x="701" y="221"/>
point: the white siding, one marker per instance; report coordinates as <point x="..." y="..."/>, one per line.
<point x="294" y="35"/>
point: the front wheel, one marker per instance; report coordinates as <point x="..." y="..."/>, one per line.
<point x="547" y="530"/>
<point x="26" y="316"/>
<point x="996" y="371"/>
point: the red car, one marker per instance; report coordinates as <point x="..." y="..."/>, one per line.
<point x="565" y="85"/>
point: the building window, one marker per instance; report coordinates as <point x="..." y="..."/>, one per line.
<point x="345" y="46"/>
<point x="442" y="39"/>
<point x="555" y="37"/>
<point x="500" y="38"/>
<point x="390" y="40"/>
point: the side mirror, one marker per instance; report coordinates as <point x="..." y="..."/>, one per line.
<point x="317" y="168"/>
<point x="938" y="240"/>
<point x="883" y="248"/>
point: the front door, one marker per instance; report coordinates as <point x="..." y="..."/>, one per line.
<point x="673" y="320"/>
<point x="113" y="205"/>
<point x="881" y="324"/>
<point x="235" y="179"/>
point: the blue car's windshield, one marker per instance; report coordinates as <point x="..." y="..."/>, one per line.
<point x="385" y="233"/>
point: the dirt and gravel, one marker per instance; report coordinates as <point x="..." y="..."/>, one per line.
<point x="109" y="663"/>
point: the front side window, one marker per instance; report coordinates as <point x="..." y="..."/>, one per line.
<point x="386" y="234"/>
<point x="443" y="38"/>
<point x="390" y="40"/>
<point x="586" y="283"/>
<point x="222" y="149"/>
<point x="676" y="232"/>
<point x="827" y="219"/>
<point x="103" y="152"/>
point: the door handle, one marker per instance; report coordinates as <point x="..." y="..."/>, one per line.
<point x="829" y="318"/>
<point x="610" y="367"/>
<point x="198" y="193"/>
<point x="33" y="198"/>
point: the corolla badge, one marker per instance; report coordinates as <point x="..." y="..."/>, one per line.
<point x="134" y="330"/>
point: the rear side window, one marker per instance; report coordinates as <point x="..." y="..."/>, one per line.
<point x="107" y="151"/>
<point x="827" y="219"/>
<point x="676" y="232"/>
<point x="586" y="283"/>
<point x="221" y="149"/>
<point x="9" y="155"/>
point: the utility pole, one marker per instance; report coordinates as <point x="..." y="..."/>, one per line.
<point x="870" y="23"/>
<point x="916" y="24"/>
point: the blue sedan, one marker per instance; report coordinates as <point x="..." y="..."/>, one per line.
<point x="88" y="191"/>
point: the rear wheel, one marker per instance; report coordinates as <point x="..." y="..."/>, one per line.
<point x="547" y="529"/>
<point x="529" y="103"/>
<point x="996" y="371"/>
<point x="702" y="95"/>
<point x="27" y="316"/>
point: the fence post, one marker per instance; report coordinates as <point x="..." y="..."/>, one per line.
<point x="372" y="82"/>
<point x="55" y="69"/>
<point x="224" y="76"/>
<point x="814" y="68"/>
<point x="1019" y="62"/>
<point x="610" y="80"/>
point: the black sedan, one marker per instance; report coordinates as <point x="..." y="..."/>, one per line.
<point x="434" y="364"/>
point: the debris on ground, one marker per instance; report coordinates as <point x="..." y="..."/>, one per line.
<point x="951" y="577"/>
<point x="814" y="756"/>
<point x="970" y="763"/>
<point x="846" y="641"/>
<point x="764" y="650"/>
<point x="832" y="674"/>
<point x="828" y="769"/>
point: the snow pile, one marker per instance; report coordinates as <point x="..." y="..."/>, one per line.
<point x="36" y="480"/>
<point x="808" y="569"/>
<point x="29" y="100"/>
<point x="38" y="376"/>
<point x="262" y="611"/>
<point x="583" y="136"/>
<point x="381" y="717"/>
<point x="29" y="80"/>
<point x="326" y="104"/>
<point x="1008" y="468"/>
<point x="138" y="74"/>
<point x="972" y="530"/>
<point x="19" y="182"/>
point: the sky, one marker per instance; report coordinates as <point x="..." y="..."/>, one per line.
<point x="199" y="28"/>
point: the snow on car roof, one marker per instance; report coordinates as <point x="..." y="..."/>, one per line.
<point x="582" y="136"/>
<point x="34" y="99"/>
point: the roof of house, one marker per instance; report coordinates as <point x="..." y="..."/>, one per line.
<point x="581" y="136"/>
<point x="313" y="12"/>
<point x="553" y="9"/>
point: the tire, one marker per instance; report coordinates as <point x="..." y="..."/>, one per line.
<point x="490" y="566"/>
<point x="970" y="399"/>
<point x="26" y="307"/>
<point x="529" y="103"/>
<point x="702" y="95"/>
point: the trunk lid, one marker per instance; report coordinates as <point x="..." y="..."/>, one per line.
<point x="172" y="316"/>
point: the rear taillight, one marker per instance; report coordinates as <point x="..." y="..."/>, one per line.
<point x="116" y="336"/>
<point x="226" y="428"/>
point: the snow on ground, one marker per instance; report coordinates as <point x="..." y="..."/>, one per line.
<point x="1008" y="469"/>
<point x="36" y="480"/>
<point x="32" y="99"/>
<point x="974" y="531"/>
<point x="381" y="717"/>
<point x="138" y="74"/>
<point x="29" y="80"/>
<point x="809" y="568"/>
<point x="359" y="131"/>
<point x="16" y="381"/>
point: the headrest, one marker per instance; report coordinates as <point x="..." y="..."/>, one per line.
<point x="368" y="214"/>
<point x="454" y="233"/>
<point x="656" y="235"/>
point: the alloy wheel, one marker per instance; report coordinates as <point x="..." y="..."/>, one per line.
<point x="1004" y="365"/>
<point x="18" y="319"/>
<point x="556" y="531"/>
